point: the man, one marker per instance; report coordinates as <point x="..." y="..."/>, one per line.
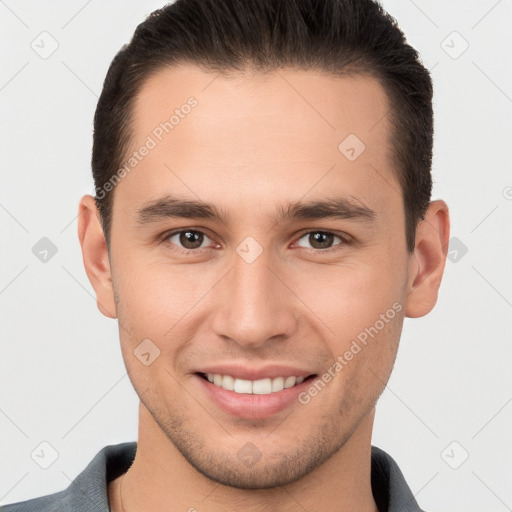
<point x="262" y="226"/>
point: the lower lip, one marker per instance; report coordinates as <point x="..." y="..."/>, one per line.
<point x="251" y="406"/>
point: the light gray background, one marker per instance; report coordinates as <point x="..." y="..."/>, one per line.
<point x="63" y="380"/>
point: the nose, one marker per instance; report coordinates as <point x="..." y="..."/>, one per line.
<point x="253" y="304"/>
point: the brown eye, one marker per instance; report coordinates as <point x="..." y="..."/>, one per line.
<point x="186" y="239"/>
<point x="321" y="240"/>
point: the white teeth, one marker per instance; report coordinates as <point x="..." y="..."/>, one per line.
<point x="278" y="384"/>
<point x="242" y="386"/>
<point x="262" y="387"/>
<point x="256" y="387"/>
<point x="228" y="382"/>
<point x="289" y="382"/>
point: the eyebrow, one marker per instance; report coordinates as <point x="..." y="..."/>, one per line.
<point x="343" y="207"/>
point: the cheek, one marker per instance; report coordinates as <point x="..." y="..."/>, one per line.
<point x="361" y="313"/>
<point x="364" y="355"/>
<point x="161" y="303"/>
<point x="349" y="298"/>
<point x="154" y="295"/>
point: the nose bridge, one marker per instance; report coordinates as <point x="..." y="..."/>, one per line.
<point x="254" y="305"/>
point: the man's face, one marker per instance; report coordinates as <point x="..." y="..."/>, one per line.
<point x="256" y="290"/>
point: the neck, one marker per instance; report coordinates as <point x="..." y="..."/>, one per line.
<point x="161" y="479"/>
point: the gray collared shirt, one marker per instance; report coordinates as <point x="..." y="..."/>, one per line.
<point x="88" y="492"/>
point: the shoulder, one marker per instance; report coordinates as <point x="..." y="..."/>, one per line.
<point x="56" y="502"/>
<point x="389" y="487"/>
<point x="88" y="492"/>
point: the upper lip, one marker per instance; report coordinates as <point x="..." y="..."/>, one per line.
<point x="239" y="371"/>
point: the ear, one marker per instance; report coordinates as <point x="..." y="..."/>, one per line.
<point x="426" y="263"/>
<point x="95" y="255"/>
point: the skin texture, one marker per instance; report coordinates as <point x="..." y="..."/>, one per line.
<point x="252" y="144"/>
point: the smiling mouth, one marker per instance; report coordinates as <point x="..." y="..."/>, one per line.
<point x="264" y="386"/>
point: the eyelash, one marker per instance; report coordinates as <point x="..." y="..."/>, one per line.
<point x="345" y="240"/>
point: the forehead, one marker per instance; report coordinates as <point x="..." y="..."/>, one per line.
<point x="296" y="101"/>
<point x="256" y="132"/>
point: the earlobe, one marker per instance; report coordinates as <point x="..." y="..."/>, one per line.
<point x="426" y="264"/>
<point x="95" y="255"/>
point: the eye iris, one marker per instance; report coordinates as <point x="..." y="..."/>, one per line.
<point x="324" y="239"/>
<point x="191" y="237"/>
